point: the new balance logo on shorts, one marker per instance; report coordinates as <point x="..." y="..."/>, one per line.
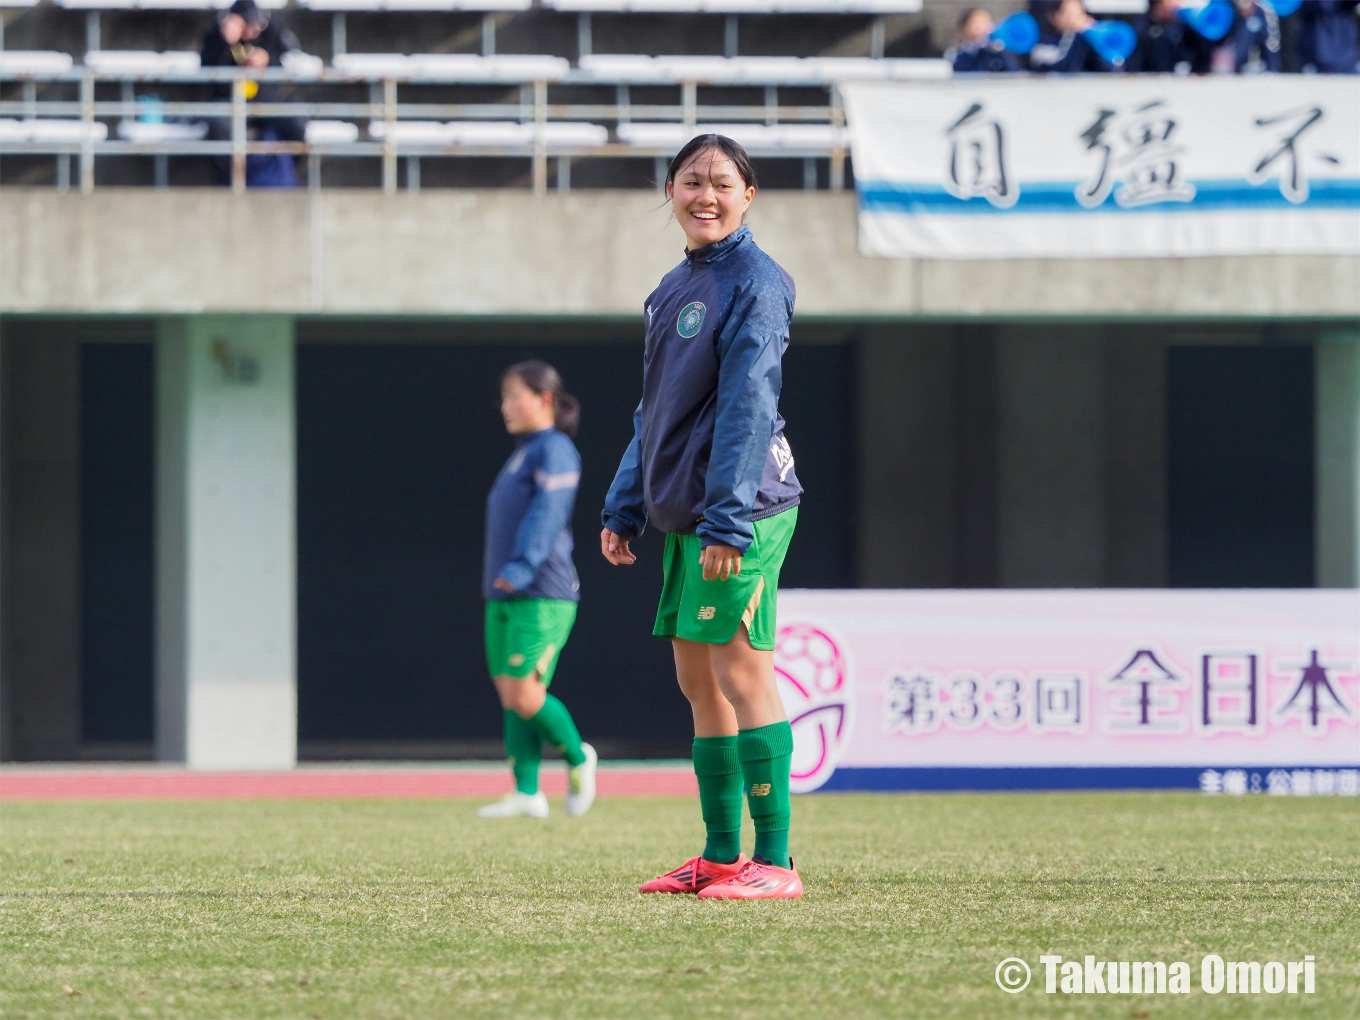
<point x="760" y="789"/>
<point x="707" y="612"/>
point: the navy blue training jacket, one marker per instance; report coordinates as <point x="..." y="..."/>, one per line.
<point x="528" y="520"/>
<point x="708" y="453"/>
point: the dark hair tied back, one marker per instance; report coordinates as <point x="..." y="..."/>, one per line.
<point x="729" y="148"/>
<point x="541" y="377"/>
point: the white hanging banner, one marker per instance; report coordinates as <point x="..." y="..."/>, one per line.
<point x="1229" y="690"/>
<point x="1107" y="167"/>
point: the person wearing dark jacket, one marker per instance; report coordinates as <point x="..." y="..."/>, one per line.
<point x="709" y="465"/>
<point x="530" y="587"/>
<point x="1166" y="45"/>
<point x="1327" y="38"/>
<point x="1061" y="48"/>
<point x="1253" y="42"/>
<point x="242" y="36"/>
<point x="976" y="51"/>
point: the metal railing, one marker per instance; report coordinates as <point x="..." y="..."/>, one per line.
<point x="386" y="107"/>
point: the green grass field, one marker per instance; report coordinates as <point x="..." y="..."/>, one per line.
<point x="338" y="909"/>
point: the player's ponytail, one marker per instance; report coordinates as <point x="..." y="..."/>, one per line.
<point x="541" y="377"/>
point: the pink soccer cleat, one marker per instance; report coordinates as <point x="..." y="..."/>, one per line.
<point x="758" y="881"/>
<point x="695" y="874"/>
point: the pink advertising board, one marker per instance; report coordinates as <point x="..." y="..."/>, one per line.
<point x="1229" y="691"/>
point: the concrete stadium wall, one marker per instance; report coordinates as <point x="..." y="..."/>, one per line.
<point x="470" y="252"/>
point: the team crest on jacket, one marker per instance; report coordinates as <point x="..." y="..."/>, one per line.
<point x="691" y="319"/>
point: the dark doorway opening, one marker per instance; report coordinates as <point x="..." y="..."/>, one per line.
<point x="1240" y="467"/>
<point x="117" y="533"/>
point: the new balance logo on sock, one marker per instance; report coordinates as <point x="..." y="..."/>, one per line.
<point x="760" y="789"/>
<point x="707" y="612"/>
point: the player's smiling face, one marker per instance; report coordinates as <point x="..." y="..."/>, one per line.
<point x="709" y="198"/>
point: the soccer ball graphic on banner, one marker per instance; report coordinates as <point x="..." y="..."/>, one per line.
<point x="814" y="683"/>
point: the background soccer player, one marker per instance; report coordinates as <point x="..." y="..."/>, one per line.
<point x="709" y="466"/>
<point x="530" y="586"/>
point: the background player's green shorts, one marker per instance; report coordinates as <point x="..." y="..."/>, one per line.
<point x="713" y="611"/>
<point x="525" y="636"/>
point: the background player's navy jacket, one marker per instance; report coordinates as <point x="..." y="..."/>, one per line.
<point x="528" y="520"/>
<point x="708" y="453"/>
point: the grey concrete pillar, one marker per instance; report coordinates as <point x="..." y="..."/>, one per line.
<point x="226" y="658"/>
<point x="1051" y="457"/>
<point x="1337" y="435"/>
<point x="40" y="698"/>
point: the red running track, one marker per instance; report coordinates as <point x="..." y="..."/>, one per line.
<point x="120" y="783"/>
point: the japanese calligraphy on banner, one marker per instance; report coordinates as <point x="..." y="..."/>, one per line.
<point x="1070" y="688"/>
<point x="1137" y="166"/>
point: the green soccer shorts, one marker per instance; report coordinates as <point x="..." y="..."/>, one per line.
<point x="526" y="636"/>
<point x="712" y="611"/>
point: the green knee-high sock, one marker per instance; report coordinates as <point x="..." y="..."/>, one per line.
<point x="719" y="774"/>
<point x="766" y="754"/>
<point x="524" y="748"/>
<point x="554" y="722"/>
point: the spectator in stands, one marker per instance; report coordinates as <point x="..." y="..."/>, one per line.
<point x="1061" y="48"/>
<point x="1167" y="45"/>
<point x="976" y="50"/>
<point x="1252" y="45"/>
<point x="243" y="36"/>
<point x="1327" y="37"/>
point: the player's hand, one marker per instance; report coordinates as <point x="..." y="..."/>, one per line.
<point x="614" y="548"/>
<point x="501" y="584"/>
<point x="720" y="562"/>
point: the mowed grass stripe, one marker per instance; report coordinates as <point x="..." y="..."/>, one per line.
<point x="338" y="909"/>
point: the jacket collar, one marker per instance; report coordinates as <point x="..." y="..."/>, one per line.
<point x="719" y="249"/>
<point x="529" y="437"/>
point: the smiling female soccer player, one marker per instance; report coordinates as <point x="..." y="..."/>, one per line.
<point x="530" y="586"/>
<point x="709" y="466"/>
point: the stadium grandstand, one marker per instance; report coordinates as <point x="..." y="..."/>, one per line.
<point x="538" y="93"/>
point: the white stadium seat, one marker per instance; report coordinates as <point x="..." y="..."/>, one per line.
<point x="767" y="70"/>
<point x="1117" y="6"/>
<point x="58" y="131"/>
<point x="34" y="62"/>
<point x="304" y="65"/>
<point x="157" y="5"/>
<point x="142" y="63"/>
<point x="421" y="5"/>
<point x="740" y="6"/>
<point x="760" y="138"/>
<point x="342" y="5"/>
<point x="464" y="67"/>
<point x="373" y="65"/>
<point x="331" y="132"/>
<point x="474" y="68"/>
<point x="137" y="131"/>
<point x="416" y="5"/>
<point x="98" y="5"/>
<point x="410" y="132"/>
<point x="566" y="133"/>
<point x="490" y="133"/>
<point x="830" y="69"/>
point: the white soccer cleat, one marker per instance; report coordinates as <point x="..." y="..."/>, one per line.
<point x="517" y="805"/>
<point x="581" y="783"/>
